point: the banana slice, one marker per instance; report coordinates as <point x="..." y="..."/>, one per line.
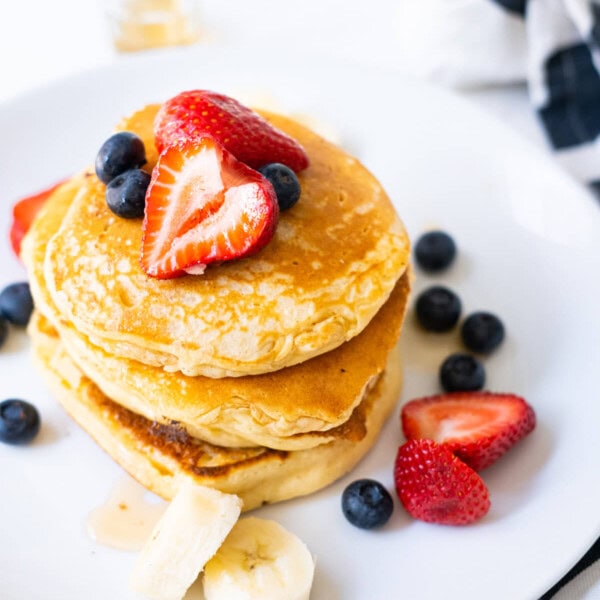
<point x="260" y="559"/>
<point x="188" y="534"/>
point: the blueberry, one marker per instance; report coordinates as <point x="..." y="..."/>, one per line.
<point x="482" y="332"/>
<point x="367" y="504"/>
<point x="435" y="251"/>
<point x="438" y="308"/>
<point x="3" y="331"/>
<point x="285" y="184"/>
<point x="16" y="303"/>
<point x="126" y="194"/>
<point x="19" y="421"/>
<point x="119" y="153"/>
<point x="462" y="372"/>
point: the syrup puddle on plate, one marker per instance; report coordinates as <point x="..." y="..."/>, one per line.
<point x="127" y="518"/>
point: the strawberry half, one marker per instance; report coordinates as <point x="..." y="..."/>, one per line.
<point x="244" y="133"/>
<point x="24" y="212"/>
<point x="435" y="486"/>
<point x="204" y="206"/>
<point x="478" y="427"/>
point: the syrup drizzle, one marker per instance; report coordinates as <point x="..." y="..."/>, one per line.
<point x="125" y="521"/>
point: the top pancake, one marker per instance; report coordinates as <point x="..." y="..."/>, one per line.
<point x="333" y="262"/>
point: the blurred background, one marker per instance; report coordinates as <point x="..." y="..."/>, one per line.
<point x="432" y="39"/>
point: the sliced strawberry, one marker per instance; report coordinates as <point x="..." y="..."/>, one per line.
<point x="204" y="206"/>
<point x="435" y="486"/>
<point x="244" y="133"/>
<point x="478" y="427"/>
<point x="24" y="211"/>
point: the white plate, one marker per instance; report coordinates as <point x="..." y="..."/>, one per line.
<point x="529" y="250"/>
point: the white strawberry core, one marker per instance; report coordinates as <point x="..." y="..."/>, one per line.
<point x="200" y="181"/>
<point x="210" y="206"/>
<point x="235" y="209"/>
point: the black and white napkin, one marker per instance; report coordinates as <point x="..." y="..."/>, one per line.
<point x="553" y="45"/>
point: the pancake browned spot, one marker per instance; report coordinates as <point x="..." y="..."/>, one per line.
<point x="160" y="458"/>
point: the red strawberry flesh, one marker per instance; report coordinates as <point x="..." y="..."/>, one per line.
<point x="243" y="132"/>
<point x="24" y="212"/>
<point x="479" y="427"/>
<point x="435" y="486"/>
<point x="204" y="206"/>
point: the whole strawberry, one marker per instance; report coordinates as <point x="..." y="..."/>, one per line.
<point x="479" y="427"/>
<point x="244" y="133"/>
<point x="435" y="486"/>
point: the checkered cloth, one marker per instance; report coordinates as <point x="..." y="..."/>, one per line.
<point x="552" y="44"/>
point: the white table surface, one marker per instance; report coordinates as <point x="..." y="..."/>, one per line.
<point x="45" y="40"/>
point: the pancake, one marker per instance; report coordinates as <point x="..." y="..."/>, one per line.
<point x="161" y="457"/>
<point x="333" y="262"/>
<point x="295" y="408"/>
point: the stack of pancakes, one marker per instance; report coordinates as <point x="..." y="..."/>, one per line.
<point x="268" y="377"/>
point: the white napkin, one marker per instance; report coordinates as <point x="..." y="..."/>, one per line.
<point x="554" y="45"/>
